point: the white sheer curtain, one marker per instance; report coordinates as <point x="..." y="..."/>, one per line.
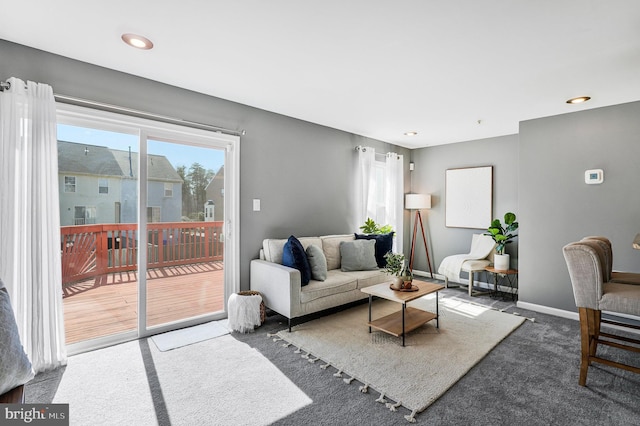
<point x="366" y="185"/>
<point x="30" y="220"/>
<point x="394" y="193"/>
<point x="367" y="192"/>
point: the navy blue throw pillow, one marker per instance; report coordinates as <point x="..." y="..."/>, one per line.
<point x="384" y="244"/>
<point x="294" y="256"/>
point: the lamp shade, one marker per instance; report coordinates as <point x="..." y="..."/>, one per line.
<point x="417" y="201"/>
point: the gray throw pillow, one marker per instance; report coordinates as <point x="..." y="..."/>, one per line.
<point x="358" y="255"/>
<point x="318" y="262"/>
<point x="15" y="367"/>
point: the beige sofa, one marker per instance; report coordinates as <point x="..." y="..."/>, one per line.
<point x="281" y="287"/>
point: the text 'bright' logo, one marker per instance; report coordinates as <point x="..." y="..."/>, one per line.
<point x="29" y="415"/>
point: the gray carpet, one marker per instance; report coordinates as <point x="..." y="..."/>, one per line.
<point x="531" y="378"/>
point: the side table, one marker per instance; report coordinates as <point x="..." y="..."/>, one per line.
<point x="508" y="277"/>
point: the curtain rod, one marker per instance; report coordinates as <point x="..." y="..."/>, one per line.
<point x="144" y="114"/>
<point x="364" y="149"/>
<point x="119" y="109"/>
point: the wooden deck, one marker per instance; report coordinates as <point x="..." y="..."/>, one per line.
<point x="108" y="304"/>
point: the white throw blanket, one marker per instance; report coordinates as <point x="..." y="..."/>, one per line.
<point x="244" y="312"/>
<point x="481" y="247"/>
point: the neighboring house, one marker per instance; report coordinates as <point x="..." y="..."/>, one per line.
<point x="215" y="195"/>
<point x="90" y="184"/>
<point x="164" y="188"/>
<point x="99" y="185"/>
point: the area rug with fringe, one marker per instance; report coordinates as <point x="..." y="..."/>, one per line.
<point x="415" y="375"/>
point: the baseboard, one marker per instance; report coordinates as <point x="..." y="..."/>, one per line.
<point x="548" y="310"/>
<point x="476" y="283"/>
<point x="574" y="315"/>
<point x="538" y="308"/>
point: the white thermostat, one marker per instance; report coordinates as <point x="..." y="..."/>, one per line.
<point x="594" y="176"/>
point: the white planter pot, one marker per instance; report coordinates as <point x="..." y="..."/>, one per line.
<point x="397" y="282"/>
<point x="501" y="262"/>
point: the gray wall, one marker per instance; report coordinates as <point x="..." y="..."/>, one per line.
<point x="429" y="177"/>
<point x="557" y="207"/>
<point x="539" y="175"/>
<point x="300" y="171"/>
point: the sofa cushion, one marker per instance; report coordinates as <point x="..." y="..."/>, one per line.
<point x="358" y="255"/>
<point x="331" y="249"/>
<point x="317" y="262"/>
<point x="369" y="278"/>
<point x="336" y="282"/>
<point x="15" y="367"/>
<point x="384" y="244"/>
<point x="273" y="247"/>
<point x="294" y="256"/>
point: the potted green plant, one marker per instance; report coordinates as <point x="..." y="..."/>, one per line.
<point x="371" y="227"/>
<point x="395" y="266"/>
<point x="502" y="235"/>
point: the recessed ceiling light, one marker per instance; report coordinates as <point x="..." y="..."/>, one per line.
<point x="410" y="133"/>
<point x="137" y="41"/>
<point x="578" y="100"/>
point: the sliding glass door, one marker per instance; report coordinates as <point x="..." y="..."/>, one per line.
<point x="117" y="176"/>
<point x="98" y="229"/>
<point x="185" y="232"/>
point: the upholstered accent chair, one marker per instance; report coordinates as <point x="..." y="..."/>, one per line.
<point x="483" y="248"/>
<point x="589" y="269"/>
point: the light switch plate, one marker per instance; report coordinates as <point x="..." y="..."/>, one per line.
<point x="593" y="177"/>
<point x="256" y="204"/>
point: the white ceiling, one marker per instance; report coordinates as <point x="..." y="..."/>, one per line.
<point x="452" y="70"/>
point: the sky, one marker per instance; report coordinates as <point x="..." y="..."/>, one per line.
<point x="178" y="155"/>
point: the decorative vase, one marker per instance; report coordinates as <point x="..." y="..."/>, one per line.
<point x="407" y="277"/>
<point x="398" y="282"/>
<point x="501" y="262"/>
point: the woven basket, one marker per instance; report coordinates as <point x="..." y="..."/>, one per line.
<point x="263" y="309"/>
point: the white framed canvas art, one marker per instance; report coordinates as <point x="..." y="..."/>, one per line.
<point x="469" y="197"/>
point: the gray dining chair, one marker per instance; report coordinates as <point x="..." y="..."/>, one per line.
<point x="594" y="292"/>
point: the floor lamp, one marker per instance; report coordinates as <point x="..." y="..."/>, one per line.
<point x="418" y="202"/>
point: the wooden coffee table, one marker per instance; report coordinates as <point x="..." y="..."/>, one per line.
<point x="408" y="318"/>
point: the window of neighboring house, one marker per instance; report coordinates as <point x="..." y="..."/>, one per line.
<point x="69" y="184"/>
<point x="153" y="214"/>
<point x="168" y="190"/>
<point x="84" y="215"/>
<point x="91" y="214"/>
<point x="103" y="186"/>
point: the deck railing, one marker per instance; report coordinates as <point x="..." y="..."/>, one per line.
<point x="92" y="250"/>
